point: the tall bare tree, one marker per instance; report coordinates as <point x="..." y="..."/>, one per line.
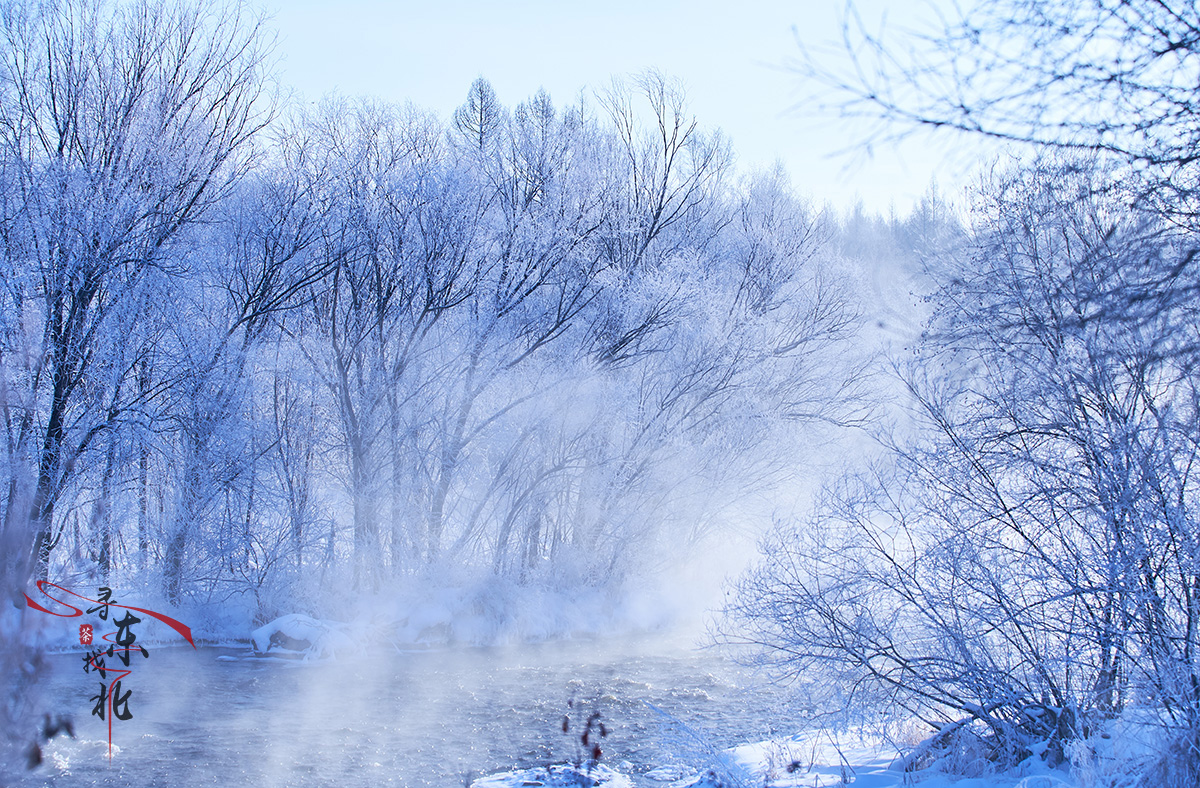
<point x="121" y="126"/>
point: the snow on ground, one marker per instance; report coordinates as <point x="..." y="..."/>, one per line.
<point x="668" y="774"/>
<point x="808" y="760"/>
<point x="595" y="776"/>
<point x="301" y="635"/>
<point x="817" y="759"/>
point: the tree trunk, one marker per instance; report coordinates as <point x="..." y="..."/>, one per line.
<point x="102" y="516"/>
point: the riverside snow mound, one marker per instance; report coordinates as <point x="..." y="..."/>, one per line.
<point x="298" y="635"/>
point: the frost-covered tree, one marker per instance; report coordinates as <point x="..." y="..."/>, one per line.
<point x="1021" y="567"/>
<point x="120" y="127"/>
<point x="1096" y="75"/>
<point x="481" y="117"/>
<point x="548" y="345"/>
<point x="250" y="270"/>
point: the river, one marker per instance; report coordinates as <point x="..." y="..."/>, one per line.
<point x="437" y="718"/>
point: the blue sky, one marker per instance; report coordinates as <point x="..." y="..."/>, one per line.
<point x="732" y="61"/>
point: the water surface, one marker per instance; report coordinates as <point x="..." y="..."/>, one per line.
<point x="426" y="718"/>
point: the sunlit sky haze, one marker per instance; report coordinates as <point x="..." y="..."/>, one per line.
<point x="732" y="58"/>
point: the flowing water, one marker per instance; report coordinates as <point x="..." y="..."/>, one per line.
<point x="425" y="718"/>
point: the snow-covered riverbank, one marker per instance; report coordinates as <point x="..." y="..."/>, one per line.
<point x="806" y="760"/>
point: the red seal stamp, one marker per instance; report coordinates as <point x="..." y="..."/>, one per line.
<point x="85" y="634"/>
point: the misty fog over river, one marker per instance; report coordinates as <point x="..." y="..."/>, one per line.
<point x="419" y="718"/>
